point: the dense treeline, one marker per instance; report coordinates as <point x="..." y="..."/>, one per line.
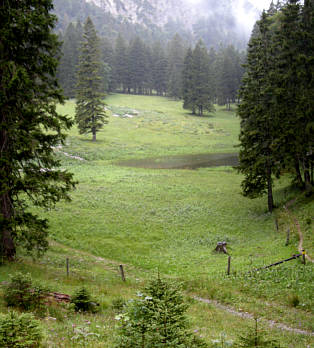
<point x="277" y="103"/>
<point x="140" y="68"/>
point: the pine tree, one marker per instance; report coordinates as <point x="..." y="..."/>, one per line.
<point x="107" y="54"/>
<point x="159" y="69"/>
<point x="29" y="125"/>
<point x="188" y="82"/>
<point x="157" y="319"/>
<point x="90" y="113"/>
<point x="137" y="66"/>
<point x="198" y="88"/>
<point x="67" y="70"/>
<point x="258" y="161"/>
<point x="294" y="71"/>
<point x="176" y="54"/>
<point x="121" y="74"/>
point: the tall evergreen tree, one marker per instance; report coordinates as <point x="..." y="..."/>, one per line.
<point x="29" y="125"/>
<point x="198" y="89"/>
<point x="188" y="82"/>
<point x="294" y="81"/>
<point x="258" y="124"/>
<point x="137" y="66"/>
<point x="176" y="54"/>
<point x="121" y="74"/>
<point x="159" y="68"/>
<point x="90" y="109"/>
<point x="67" y="70"/>
<point x="229" y="76"/>
<point x="107" y="56"/>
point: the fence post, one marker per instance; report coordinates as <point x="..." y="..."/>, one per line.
<point x="276" y="223"/>
<point x="122" y="273"/>
<point x="288" y="237"/>
<point x="303" y="256"/>
<point x="229" y="264"/>
<point x="68" y="268"/>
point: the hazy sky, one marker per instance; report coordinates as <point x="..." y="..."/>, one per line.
<point x="260" y="4"/>
<point x="246" y="12"/>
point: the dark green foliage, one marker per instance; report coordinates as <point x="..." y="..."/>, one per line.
<point x="276" y="106"/>
<point x="258" y="126"/>
<point x="156" y="319"/>
<point x="90" y="109"/>
<point x="121" y="74"/>
<point x="82" y="301"/>
<point x="29" y="125"/>
<point x="228" y="74"/>
<point x="198" y="84"/>
<point x="20" y="331"/>
<point x="23" y="294"/>
<point x="138" y="67"/>
<point x="159" y="69"/>
<point x="67" y="70"/>
<point x="256" y="337"/>
<point x="176" y="53"/>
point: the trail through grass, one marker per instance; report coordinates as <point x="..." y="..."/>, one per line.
<point x="168" y="221"/>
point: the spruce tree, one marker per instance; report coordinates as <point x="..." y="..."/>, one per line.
<point x="121" y="74"/>
<point x="198" y="89"/>
<point x="294" y="81"/>
<point x="90" y="112"/>
<point x="159" y="69"/>
<point x="29" y="125"/>
<point x="176" y="54"/>
<point x="67" y="70"/>
<point x="258" y="148"/>
<point x="156" y="319"/>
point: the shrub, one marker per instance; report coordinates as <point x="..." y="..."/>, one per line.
<point x="20" y="331"/>
<point x="293" y="300"/>
<point x="118" y="304"/>
<point x="21" y="292"/>
<point x="155" y="319"/>
<point x="82" y="301"/>
<point x="256" y="337"/>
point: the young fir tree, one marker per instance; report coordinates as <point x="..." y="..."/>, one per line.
<point x="29" y="125"/>
<point x="90" y="112"/>
<point x="156" y="319"/>
<point x="256" y="337"/>
<point x="258" y="148"/>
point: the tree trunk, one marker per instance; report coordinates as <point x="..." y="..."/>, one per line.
<point x="7" y="244"/>
<point x="270" y="190"/>
<point x="298" y="173"/>
<point x="94" y="133"/>
<point x="307" y="177"/>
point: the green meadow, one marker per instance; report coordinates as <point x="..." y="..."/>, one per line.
<point x="168" y="222"/>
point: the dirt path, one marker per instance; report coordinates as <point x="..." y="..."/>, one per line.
<point x="296" y="222"/>
<point x="113" y="266"/>
<point x="246" y="315"/>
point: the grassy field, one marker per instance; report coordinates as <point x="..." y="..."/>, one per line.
<point x="168" y="221"/>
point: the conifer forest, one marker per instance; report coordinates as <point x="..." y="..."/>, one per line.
<point x="156" y="173"/>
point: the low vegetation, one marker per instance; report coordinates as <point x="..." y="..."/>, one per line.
<point x="168" y="222"/>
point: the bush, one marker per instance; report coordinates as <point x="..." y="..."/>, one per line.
<point x="256" y="337"/>
<point x="82" y="301"/>
<point x="21" y="293"/>
<point x="156" y="319"/>
<point x="20" y="331"/>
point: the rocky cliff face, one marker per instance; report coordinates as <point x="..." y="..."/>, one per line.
<point x="147" y="12"/>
